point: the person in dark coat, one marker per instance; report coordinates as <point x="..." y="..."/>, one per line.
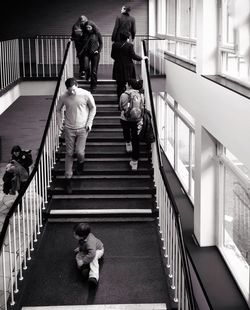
<point x="91" y="49"/>
<point x="77" y="37"/>
<point x="124" y="23"/>
<point x="124" y="70"/>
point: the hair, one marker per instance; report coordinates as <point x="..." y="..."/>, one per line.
<point x="70" y="82"/>
<point x="124" y="35"/>
<point x="136" y="84"/>
<point x="93" y="25"/>
<point x="82" y="230"/>
<point x="16" y="148"/>
<point x="81" y="20"/>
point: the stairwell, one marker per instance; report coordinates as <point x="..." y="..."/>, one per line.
<point x="120" y="205"/>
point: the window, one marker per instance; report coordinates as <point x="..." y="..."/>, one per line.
<point x="234" y="236"/>
<point x="176" y="132"/>
<point x="234" y="40"/>
<point x="161" y="16"/>
<point x="181" y="29"/>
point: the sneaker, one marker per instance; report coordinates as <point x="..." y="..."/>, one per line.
<point x="128" y="147"/>
<point x="79" y="168"/>
<point x="134" y="164"/>
<point x="68" y="186"/>
<point x="92" y="282"/>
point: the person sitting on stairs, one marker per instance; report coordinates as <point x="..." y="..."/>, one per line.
<point x="89" y="251"/>
<point x="80" y="110"/>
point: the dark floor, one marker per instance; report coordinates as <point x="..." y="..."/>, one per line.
<point x="130" y="271"/>
<point x="23" y="123"/>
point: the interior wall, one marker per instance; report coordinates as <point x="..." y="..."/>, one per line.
<point x="30" y="18"/>
<point x="222" y="112"/>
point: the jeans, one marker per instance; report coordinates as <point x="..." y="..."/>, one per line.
<point x="130" y="134"/>
<point x="75" y="140"/>
<point x="94" y="265"/>
<point x="91" y="63"/>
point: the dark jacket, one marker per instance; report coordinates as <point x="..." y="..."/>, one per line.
<point x="123" y="54"/>
<point x="24" y="159"/>
<point x="147" y="133"/>
<point x="123" y="23"/>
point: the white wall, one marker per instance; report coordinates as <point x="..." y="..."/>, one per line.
<point x="222" y="112"/>
<point x="31" y="88"/>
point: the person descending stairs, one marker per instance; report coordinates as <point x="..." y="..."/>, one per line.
<point x="119" y="205"/>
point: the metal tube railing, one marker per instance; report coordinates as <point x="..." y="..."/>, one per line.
<point x="169" y="217"/>
<point x="23" y="222"/>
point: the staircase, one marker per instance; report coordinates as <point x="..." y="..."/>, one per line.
<point x="107" y="187"/>
<point x="120" y="205"/>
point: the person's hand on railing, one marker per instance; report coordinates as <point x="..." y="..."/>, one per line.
<point x="144" y="57"/>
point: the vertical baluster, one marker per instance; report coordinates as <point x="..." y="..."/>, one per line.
<point x="19" y="243"/>
<point x="15" y="253"/>
<point x="33" y="202"/>
<point x="4" y="277"/>
<point x="42" y="55"/>
<point x="30" y="61"/>
<point x="30" y="218"/>
<point x="12" y="301"/>
<point x="24" y="234"/>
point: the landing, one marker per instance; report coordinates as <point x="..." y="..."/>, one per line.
<point x="131" y="272"/>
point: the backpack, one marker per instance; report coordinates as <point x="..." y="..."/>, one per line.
<point x="134" y="110"/>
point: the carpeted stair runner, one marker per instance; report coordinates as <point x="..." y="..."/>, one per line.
<point x="120" y="206"/>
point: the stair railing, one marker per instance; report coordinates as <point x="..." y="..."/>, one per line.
<point x="23" y="223"/>
<point x="9" y="62"/>
<point x="169" y="218"/>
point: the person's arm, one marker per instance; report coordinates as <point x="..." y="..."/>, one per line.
<point x="132" y="53"/>
<point x="133" y="29"/>
<point x="124" y="101"/>
<point x="59" y="111"/>
<point x="113" y="52"/>
<point x="114" y="33"/>
<point x="100" y="42"/>
<point x="92" y="111"/>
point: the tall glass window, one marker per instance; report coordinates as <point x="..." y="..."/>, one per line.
<point x="234" y="40"/>
<point x="181" y="29"/>
<point x="176" y="132"/>
<point x="235" y="218"/>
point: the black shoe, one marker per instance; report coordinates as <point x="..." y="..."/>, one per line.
<point x="92" y="282"/>
<point x="92" y="88"/>
<point x="82" y="75"/>
<point x="79" y="168"/>
<point x="68" y="186"/>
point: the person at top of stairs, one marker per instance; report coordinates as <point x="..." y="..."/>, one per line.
<point x="80" y="110"/>
<point x="89" y="251"/>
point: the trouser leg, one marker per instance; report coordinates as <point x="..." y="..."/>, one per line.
<point x="70" y="137"/>
<point x="95" y="58"/>
<point x="81" y="138"/>
<point x="125" y="130"/>
<point x="94" y="265"/>
<point x="135" y="141"/>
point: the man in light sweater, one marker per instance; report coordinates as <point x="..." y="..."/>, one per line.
<point x="79" y="112"/>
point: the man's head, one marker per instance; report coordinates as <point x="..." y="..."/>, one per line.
<point x="125" y="9"/>
<point x="71" y="85"/>
<point x="83" y="19"/>
<point x="81" y="231"/>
